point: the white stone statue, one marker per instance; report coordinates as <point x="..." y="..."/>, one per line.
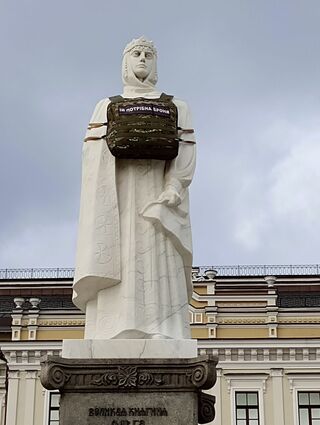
<point x="134" y="252"/>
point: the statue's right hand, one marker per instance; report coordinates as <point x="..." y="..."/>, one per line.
<point x="169" y="197"/>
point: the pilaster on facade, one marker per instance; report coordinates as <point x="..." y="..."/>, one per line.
<point x="213" y="330"/>
<point x="272" y="292"/>
<point x="16" y="326"/>
<point x="212" y="321"/>
<point x="211" y="282"/>
<point x="272" y="314"/>
<point x="12" y="398"/>
<point x="2" y="394"/>
<point x="273" y="330"/>
<point x="33" y="316"/>
<point x="272" y="320"/>
<point x="212" y="314"/>
<point x="30" y="394"/>
<point x="277" y="393"/>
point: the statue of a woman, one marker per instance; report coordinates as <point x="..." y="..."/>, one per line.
<point x="134" y="252"/>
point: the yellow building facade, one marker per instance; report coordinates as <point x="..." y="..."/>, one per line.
<point x="262" y="322"/>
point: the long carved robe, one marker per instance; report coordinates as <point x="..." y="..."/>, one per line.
<point x="134" y="254"/>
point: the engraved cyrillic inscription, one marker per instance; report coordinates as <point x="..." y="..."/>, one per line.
<point x="131" y="411"/>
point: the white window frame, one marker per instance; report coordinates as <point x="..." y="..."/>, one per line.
<point x="302" y="383"/>
<point x="46" y="405"/>
<point x="245" y="383"/>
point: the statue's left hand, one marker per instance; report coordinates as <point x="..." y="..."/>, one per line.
<point x="170" y="197"/>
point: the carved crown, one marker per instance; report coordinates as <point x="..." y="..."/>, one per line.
<point x="141" y="42"/>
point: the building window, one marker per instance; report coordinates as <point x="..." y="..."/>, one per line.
<point x="309" y="408"/>
<point x="247" y="408"/>
<point x="54" y="401"/>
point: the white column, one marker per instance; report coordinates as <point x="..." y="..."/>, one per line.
<point x="2" y="407"/>
<point x="12" y="402"/>
<point x="277" y="390"/>
<point x="30" y="397"/>
<point x="2" y="398"/>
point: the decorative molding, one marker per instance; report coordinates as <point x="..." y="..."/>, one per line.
<point x="79" y="322"/>
<point x="276" y="372"/>
<point x="106" y="375"/>
<point x="300" y="320"/>
<point x="158" y="378"/>
<point x="229" y="385"/>
<point x="246" y="381"/>
<point x="291" y="384"/>
<point x="26" y="357"/>
<point x="235" y="299"/>
<point x="247" y="354"/>
<point x="33" y="325"/>
<point x="32" y="374"/>
<point x="241" y="321"/>
<point x="128" y="376"/>
<point x="206" y="410"/>
<point x="242" y="304"/>
<point x="13" y="374"/>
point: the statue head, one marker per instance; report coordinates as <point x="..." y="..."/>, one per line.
<point x="139" y="66"/>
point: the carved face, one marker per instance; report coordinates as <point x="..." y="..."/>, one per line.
<point x="141" y="60"/>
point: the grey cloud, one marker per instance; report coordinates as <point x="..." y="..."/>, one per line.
<point x="250" y="72"/>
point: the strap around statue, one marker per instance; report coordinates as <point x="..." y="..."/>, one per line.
<point x="142" y="128"/>
<point x="119" y="98"/>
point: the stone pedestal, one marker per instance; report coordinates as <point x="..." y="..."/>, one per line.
<point x="129" y="348"/>
<point x="132" y="391"/>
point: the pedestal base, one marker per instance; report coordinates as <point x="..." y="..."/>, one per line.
<point x="129" y="348"/>
<point x="132" y="391"/>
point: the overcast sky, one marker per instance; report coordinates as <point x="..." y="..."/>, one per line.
<point x="250" y="72"/>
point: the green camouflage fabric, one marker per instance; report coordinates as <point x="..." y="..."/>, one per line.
<point x="143" y="128"/>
